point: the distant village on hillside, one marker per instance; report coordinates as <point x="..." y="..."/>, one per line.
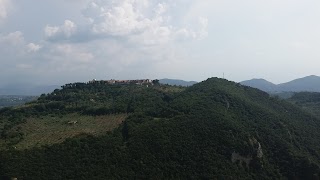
<point x="124" y="82"/>
<point x="137" y="81"/>
<point x="146" y="82"/>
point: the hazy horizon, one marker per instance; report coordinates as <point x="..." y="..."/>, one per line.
<point x="62" y="41"/>
<point x="34" y="84"/>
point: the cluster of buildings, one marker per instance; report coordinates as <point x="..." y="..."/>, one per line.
<point x="113" y="81"/>
<point x="146" y="82"/>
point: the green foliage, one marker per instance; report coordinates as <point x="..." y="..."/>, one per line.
<point x="213" y="130"/>
<point x="309" y="101"/>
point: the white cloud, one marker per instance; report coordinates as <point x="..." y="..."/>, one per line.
<point x="142" y="22"/>
<point x="13" y="50"/>
<point x="51" y="31"/>
<point x="72" y="53"/>
<point x="65" y="31"/>
<point x="15" y="43"/>
<point x="14" y="38"/>
<point x="33" y="47"/>
<point x="12" y="44"/>
<point x="132" y="38"/>
<point x="22" y="59"/>
<point x="4" y="9"/>
<point x="117" y="38"/>
<point x="161" y="8"/>
<point x="119" y="18"/>
<point x="203" y="31"/>
<point x="121" y="37"/>
<point x="137" y="22"/>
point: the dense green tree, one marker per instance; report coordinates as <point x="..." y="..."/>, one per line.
<point x="213" y="130"/>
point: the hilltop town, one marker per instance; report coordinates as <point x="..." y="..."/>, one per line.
<point x="136" y="81"/>
<point x="146" y="82"/>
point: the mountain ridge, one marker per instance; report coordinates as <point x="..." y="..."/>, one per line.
<point x="309" y="84"/>
<point x="261" y="84"/>
<point x="177" y="82"/>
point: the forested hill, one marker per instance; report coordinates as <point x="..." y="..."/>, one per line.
<point x="215" y="129"/>
<point x="309" y="101"/>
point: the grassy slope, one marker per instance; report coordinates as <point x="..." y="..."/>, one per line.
<point x="50" y="130"/>
<point x="97" y="108"/>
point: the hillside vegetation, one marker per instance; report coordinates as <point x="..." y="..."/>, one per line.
<point x="215" y="129"/>
<point x="309" y="101"/>
<point x="75" y="109"/>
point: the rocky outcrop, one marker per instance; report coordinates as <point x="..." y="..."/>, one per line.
<point x="237" y="158"/>
<point x="257" y="146"/>
<point x="256" y="155"/>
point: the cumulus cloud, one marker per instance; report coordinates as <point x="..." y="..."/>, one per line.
<point x="4" y="9"/>
<point x="12" y="44"/>
<point x="65" y="31"/>
<point x="13" y="50"/>
<point x="31" y="47"/>
<point x="27" y="59"/>
<point x="161" y="8"/>
<point x="133" y="20"/>
<point x="15" y="42"/>
<point x="121" y="37"/>
<point x="14" y="38"/>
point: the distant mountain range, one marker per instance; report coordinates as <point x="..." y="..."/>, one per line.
<point x="177" y="82"/>
<point x="27" y="89"/>
<point x="308" y="84"/>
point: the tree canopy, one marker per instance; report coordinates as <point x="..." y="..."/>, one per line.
<point x="215" y="129"/>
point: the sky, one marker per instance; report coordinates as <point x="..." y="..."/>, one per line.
<point x="56" y="42"/>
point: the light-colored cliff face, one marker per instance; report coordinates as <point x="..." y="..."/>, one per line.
<point x="246" y="160"/>
<point x="256" y="145"/>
